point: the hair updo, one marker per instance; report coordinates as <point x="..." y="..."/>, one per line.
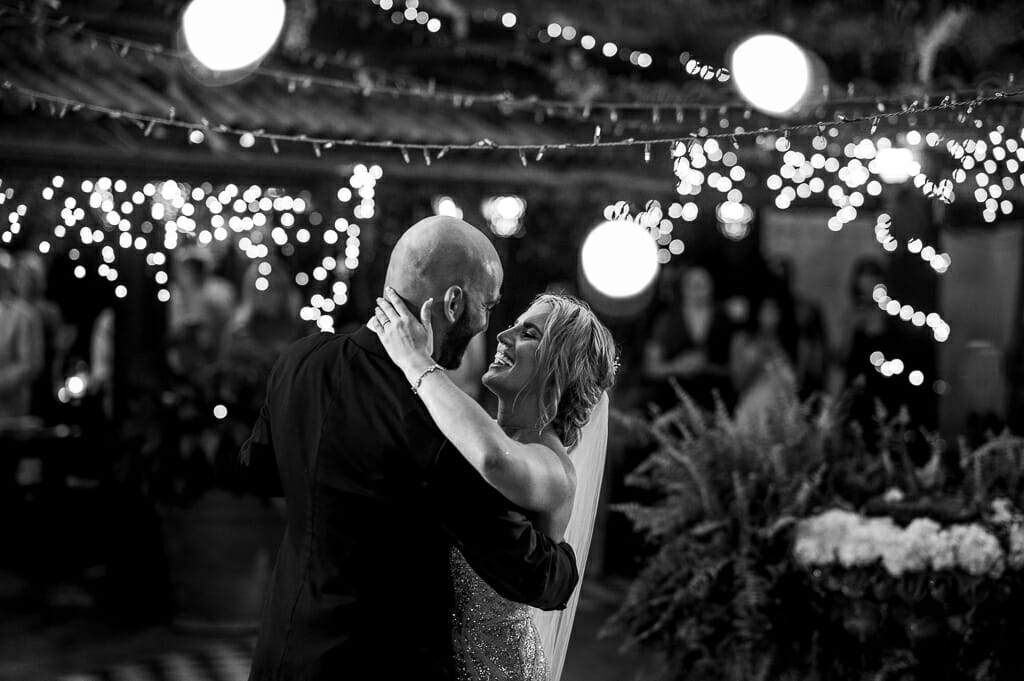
<point x="576" y="364"/>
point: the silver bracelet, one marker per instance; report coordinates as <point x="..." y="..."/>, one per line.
<point x="419" y="381"/>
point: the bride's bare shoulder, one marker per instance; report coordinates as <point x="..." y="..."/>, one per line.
<point x="552" y="442"/>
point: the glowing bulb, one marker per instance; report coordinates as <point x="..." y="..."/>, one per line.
<point x="619" y="258"/>
<point x="75" y="385"/>
<point x="254" y="24"/>
<point x="771" y="72"/>
<point x="445" y="205"/>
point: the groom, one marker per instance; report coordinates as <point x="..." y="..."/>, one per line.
<point x="376" y="496"/>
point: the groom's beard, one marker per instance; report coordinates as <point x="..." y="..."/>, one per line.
<point x="454" y="343"/>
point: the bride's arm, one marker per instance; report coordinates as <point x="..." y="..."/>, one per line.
<point x="531" y="476"/>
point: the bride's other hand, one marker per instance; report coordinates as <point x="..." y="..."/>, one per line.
<point x="408" y="341"/>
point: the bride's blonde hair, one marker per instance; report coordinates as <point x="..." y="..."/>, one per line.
<point x="576" y="364"/>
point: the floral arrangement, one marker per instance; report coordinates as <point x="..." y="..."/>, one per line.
<point x="788" y="547"/>
<point x="851" y="540"/>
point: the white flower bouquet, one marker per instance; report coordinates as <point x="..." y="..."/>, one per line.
<point x="852" y="540"/>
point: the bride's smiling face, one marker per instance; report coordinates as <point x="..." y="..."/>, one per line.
<point x="514" y="365"/>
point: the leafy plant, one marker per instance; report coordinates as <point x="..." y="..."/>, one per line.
<point x="722" y="596"/>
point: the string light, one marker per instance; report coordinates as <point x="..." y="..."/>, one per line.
<point x="895" y="367"/>
<point x="360" y="85"/>
<point x="505" y="101"/>
<point x="939" y="327"/>
<point x="993" y="174"/>
<point x="556" y="30"/>
<point x="411" y="13"/>
<point x="657" y="224"/>
<point x="171" y="204"/>
<point x="703" y="71"/>
<point x="326" y="142"/>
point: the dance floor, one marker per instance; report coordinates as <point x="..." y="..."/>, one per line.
<point x="69" y="645"/>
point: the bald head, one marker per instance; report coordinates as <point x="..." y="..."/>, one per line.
<point x="439" y="252"/>
<point x="452" y="262"/>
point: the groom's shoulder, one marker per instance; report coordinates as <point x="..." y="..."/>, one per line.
<point x="314" y="343"/>
<point x="332" y="349"/>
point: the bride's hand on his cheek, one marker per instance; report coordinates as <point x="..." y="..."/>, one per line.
<point x="408" y="341"/>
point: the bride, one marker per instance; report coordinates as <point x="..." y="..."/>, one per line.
<point x="545" y="453"/>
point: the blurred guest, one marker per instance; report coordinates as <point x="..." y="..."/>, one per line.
<point x="267" y="317"/>
<point x="762" y="359"/>
<point x="101" y="371"/>
<point x="690" y="342"/>
<point x="265" y="323"/>
<point x="812" y="357"/>
<point x="868" y="332"/>
<point x="21" y="345"/>
<point x="201" y="304"/>
<point x="31" y="284"/>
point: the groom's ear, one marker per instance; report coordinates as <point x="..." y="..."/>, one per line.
<point x="454" y="303"/>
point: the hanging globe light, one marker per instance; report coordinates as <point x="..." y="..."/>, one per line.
<point x="228" y="35"/>
<point x="773" y="73"/>
<point x="619" y="259"/>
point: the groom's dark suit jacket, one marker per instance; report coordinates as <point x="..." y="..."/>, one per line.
<point x="375" y="498"/>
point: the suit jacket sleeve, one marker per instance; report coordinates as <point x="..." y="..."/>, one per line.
<point x="503" y="547"/>
<point x="259" y="470"/>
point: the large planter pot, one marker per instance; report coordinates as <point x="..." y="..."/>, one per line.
<point x="220" y="554"/>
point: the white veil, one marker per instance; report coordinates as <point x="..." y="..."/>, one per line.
<point x="588" y="458"/>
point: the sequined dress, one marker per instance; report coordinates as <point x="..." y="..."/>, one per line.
<point x="494" y="639"/>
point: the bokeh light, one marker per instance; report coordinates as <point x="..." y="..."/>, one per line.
<point x="253" y="26"/>
<point x="771" y="72"/>
<point x="619" y="258"/>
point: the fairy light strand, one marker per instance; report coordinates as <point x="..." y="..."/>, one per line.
<point x="60" y="105"/>
<point x="509" y="102"/>
<point x="123" y="46"/>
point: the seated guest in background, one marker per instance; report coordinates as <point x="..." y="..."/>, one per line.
<point x="812" y="352"/>
<point x="690" y="342"/>
<point x="21" y="345"/>
<point x="762" y="358"/>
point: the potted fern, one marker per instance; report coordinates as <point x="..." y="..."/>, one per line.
<point x="784" y="546"/>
